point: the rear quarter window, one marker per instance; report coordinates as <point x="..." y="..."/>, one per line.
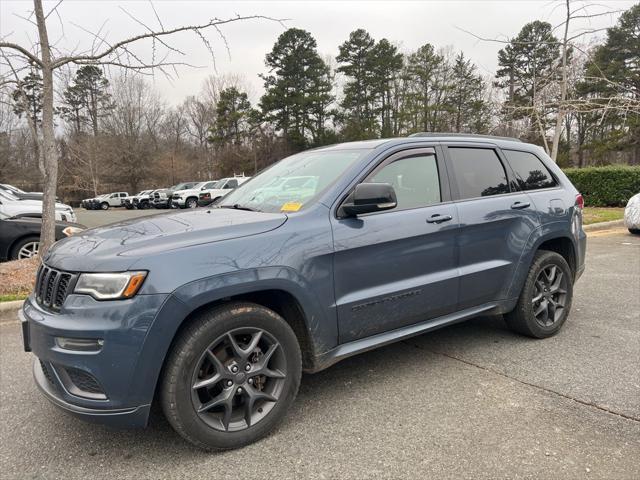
<point x="531" y="173"/>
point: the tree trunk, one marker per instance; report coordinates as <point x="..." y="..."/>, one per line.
<point x="563" y="88"/>
<point x="49" y="151"/>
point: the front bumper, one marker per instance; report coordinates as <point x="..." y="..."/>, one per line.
<point x="113" y="384"/>
<point x="124" y="417"/>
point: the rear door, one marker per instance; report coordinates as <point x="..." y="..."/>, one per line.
<point x="495" y="218"/>
<point x="398" y="267"/>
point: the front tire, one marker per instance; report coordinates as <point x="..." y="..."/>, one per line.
<point x="104" y="206"/>
<point x="545" y="300"/>
<point x="191" y="203"/>
<point x="231" y="376"/>
<point x="634" y="231"/>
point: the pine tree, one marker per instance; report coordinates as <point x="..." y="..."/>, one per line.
<point x="87" y="99"/>
<point x="385" y="66"/>
<point x="357" y="104"/>
<point x="233" y="114"/>
<point x="466" y="101"/>
<point x="297" y="88"/>
<point x="28" y="99"/>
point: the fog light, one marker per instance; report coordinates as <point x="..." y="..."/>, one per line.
<point x="80" y="344"/>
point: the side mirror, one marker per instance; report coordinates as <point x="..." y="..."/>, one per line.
<point x="368" y="198"/>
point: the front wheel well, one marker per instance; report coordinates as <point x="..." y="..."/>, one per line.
<point x="281" y="302"/>
<point x="564" y="247"/>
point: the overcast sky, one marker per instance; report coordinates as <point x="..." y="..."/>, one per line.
<point x="407" y="24"/>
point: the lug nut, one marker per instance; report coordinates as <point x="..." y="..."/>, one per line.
<point x="234" y="369"/>
<point x="251" y="381"/>
<point x="229" y="383"/>
<point x="247" y="367"/>
<point x="239" y="390"/>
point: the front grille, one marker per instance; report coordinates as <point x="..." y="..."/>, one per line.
<point x="53" y="287"/>
<point x="84" y="381"/>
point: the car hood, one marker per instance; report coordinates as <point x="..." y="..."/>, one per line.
<point x="117" y="246"/>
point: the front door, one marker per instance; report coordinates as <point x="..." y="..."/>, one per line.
<point x="398" y="267"/>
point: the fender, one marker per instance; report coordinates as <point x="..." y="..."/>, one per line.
<point x="543" y="233"/>
<point x="321" y="323"/>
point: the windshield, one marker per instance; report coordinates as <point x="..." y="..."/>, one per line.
<point x="293" y="182"/>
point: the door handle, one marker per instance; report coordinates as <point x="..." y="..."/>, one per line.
<point x="520" y="205"/>
<point x="437" y="218"/>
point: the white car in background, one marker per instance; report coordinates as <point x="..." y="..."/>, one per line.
<point x="12" y="206"/>
<point x="632" y="215"/>
<point x="189" y="198"/>
<point x="220" y="189"/>
<point x="130" y="202"/>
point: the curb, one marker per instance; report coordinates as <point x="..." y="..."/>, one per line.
<point x="9" y="306"/>
<point x="603" y="225"/>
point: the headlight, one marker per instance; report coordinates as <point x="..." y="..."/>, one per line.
<point x="69" y="231"/>
<point x="110" y="286"/>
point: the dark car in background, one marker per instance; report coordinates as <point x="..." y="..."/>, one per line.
<point x="214" y="313"/>
<point x="20" y="236"/>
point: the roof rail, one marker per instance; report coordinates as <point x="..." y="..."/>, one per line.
<point x="467" y="135"/>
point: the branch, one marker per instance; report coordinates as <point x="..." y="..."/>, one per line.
<point x="23" y="51"/>
<point x="98" y="58"/>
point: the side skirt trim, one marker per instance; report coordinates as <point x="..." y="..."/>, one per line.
<point x="369" y="343"/>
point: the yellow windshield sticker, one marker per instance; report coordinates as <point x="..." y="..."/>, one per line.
<point x="291" y="207"/>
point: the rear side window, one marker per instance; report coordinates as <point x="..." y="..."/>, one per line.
<point x="414" y="179"/>
<point x="478" y="172"/>
<point x="531" y="174"/>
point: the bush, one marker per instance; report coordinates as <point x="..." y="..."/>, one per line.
<point x="605" y="186"/>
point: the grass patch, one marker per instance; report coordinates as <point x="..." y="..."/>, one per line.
<point x="13" y="296"/>
<point x="592" y="215"/>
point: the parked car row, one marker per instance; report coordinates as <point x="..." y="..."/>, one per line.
<point x="21" y="222"/>
<point x="182" y="195"/>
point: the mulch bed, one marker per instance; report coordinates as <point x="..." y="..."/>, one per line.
<point x="17" y="277"/>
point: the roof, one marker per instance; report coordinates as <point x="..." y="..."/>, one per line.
<point x="464" y="135"/>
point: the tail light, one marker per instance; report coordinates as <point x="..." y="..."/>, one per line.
<point x="579" y="201"/>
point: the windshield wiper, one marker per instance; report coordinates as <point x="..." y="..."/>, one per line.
<point x="237" y="206"/>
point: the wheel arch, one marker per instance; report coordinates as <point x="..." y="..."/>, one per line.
<point x="281" y="301"/>
<point x="279" y="290"/>
<point x="18" y="240"/>
<point x="559" y="241"/>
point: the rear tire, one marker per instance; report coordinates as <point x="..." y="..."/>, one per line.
<point x="104" y="206"/>
<point x="25" y="248"/>
<point x="545" y="300"/>
<point x="634" y="231"/>
<point x="204" y="353"/>
<point x="191" y="203"/>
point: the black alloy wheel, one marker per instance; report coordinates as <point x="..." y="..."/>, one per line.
<point x="231" y="376"/>
<point x="238" y="379"/>
<point x="551" y="294"/>
<point x="545" y="299"/>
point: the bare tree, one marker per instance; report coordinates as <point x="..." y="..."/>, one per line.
<point x="102" y="52"/>
<point x="554" y="93"/>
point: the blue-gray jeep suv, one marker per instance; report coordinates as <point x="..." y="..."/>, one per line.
<point x="214" y="313"/>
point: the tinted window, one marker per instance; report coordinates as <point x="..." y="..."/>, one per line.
<point x="414" y="179"/>
<point x="478" y="172"/>
<point x="233" y="183"/>
<point x="531" y="173"/>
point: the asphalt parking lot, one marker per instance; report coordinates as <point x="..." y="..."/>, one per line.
<point x="469" y="401"/>
<point x="96" y="218"/>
